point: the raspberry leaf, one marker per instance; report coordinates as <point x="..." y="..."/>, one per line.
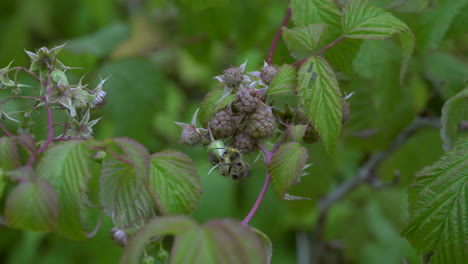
<point x="284" y="81"/>
<point x="9" y="158"/>
<point x="306" y="37"/>
<point x="438" y="206"/>
<point x="66" y="167"/>
<point x="216" y="242"/>
<point x="266" y="241"/>
<point x="362" y="20"/>
<point x="174" y="182"/>
<point x="287" y="165"/>
<point x="320" y="98"/>
<point x="455" y="111"/>
<point x="32" y="205"/>
<point x="215" y="100"/>
<point x="166" y="225"/>
<point x="309" y="12"/>
<point x="123" y="192"/>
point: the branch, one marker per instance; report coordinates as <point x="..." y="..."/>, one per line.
<point x="372" y="163"/>
<point x="278" y="35"/>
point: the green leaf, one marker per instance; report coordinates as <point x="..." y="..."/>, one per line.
<point x="362" y="20"/>
<point x="297" y="50"/>
<point x="438" y="208"/>
<point x="216" y="242"/>
<point x="286" y="166"/>
<point x="297" y="132"/>
<point x="433" y="24"/>
<point x="101" y="43"/>
<point x="302" y="41"/>
<point x="134" y="84"/>
<point x="32" y="205"/>
<point x="266" y="241"/>
<point x="215" y="100"/>
<point x="447" y="72"/>
<point x="284" y="81"/>
<point x="365" y="21"/>
<point x="198" y="5"/>
<point x="219" y="242"/>
<point x="454" y="112"/>
<point x="2" y="182"/>
<point x="174" y="182"/>
<point x="9" y="158"/>
<point x="123" y="189"/>
<point x="320" y="97"/>
<point x="307" y="12"/>
<point x="66" y="167"/>
<point x="341" y="55"/>
<point x="407" y="47"/>
<point x="166" y="225"/>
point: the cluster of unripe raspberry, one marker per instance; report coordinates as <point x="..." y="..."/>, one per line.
<point x="248" y="118"/>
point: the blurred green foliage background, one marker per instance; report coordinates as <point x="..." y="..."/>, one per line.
<point x="161" y="57"/>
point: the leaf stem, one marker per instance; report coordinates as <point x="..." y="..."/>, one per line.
<point x="268" y="155"/>
<point x="278" y="35"/>
<point x="299" y="62"/>
<point x="50" y="120"/>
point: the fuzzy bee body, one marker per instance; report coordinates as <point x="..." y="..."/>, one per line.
<point x="233" y="164"/>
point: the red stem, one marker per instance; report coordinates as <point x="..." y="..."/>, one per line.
<point x="50" y="121"/>
<point x="299" y="62"/>
<point x="278" y="35"/>
<point x="268" y="155"/>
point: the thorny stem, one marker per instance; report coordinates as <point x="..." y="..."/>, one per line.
<point x="278" y="35"/>
<point x="299" y="62"/>
<point x="268" y="155"/>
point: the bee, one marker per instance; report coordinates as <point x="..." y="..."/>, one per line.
<point x="233" y="164"/>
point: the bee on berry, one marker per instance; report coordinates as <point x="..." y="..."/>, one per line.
<point x="231" y="162"/>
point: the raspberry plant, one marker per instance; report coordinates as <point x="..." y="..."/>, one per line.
<point x="45" y="179"/>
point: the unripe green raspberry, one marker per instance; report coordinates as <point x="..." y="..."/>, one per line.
<point x="190" y="135"/>
<point x="268" y="73"/>
<point x="223" y="125"/>
<point x="261" y="123"/>
<point x="246" y="100"/>
<point x="345" y="109"/>
<point x="244" y="143"/>
<point x="233" y="77"/>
